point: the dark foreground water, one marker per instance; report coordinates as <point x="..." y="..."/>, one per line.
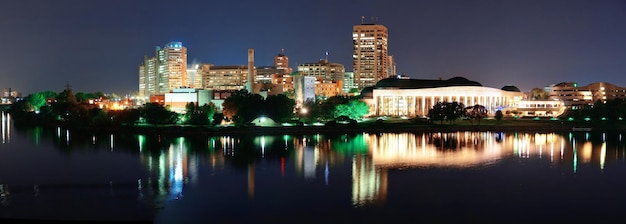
<point x="56" y="174"/>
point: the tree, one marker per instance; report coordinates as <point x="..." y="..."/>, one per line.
<point x="155" y="113"/>
<point x="437" y="112"/>
<point x="279" y="107"/>
<point x="453" y="111"/>
<point x="243" y="106"/>
<point x="538" y="94"/>
<point x="499" y="115"/>
<point x="476" y="112"/>
<point x="199" y="115"/>
<point x="446" y="111"/>
<point x="121" y="117"/>
<point x="354" y="109"/>
<point x="37" y="100"/>
<point x="327" y="107"/>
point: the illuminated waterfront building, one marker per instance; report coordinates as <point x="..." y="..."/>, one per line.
<point x="414" y="97"/>
<point x="575" y="96"/>
<point x="370" y="60"/>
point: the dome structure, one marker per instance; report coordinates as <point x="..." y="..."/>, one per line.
<point x="511" y="89"/>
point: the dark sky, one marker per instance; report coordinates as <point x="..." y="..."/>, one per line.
<point x="97" y="45"/>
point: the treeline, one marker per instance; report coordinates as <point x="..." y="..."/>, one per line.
<point x="613" y="110"/>
<point x="69" y="109"/>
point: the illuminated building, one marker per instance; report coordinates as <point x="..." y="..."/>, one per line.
<point x="233" y="77"/>
<point x="348" y="81"/>
<point x="370" y="62"/>
<point x="391" y="69"/>
<point x="164" y="72"/>
<point x="329" y="77"/>
<point x="192" y="73"/>
<point x="323" y="70"/>
<point x="576" y="96"/>
<point x="148" y="77"/>
<point x="540" y="108"/>
<point x="172" y="70"/>
<point x="414" y="97"/>
<point x="177" y="99"/>
<point x="304" y="88"/>
<point x="281" y="61"/>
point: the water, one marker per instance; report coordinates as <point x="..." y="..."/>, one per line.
<point x="57" y="174"/>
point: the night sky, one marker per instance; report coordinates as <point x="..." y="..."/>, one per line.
<point x="97" y="45"/>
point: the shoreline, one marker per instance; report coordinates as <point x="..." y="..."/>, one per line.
<point x="331" y="130"/>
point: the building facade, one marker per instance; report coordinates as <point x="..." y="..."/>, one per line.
<point x="164" y="72"/>
<point x="172" y="70"/>
<point x="148" y="77"/>
<point x="370" y="62"/>
<point x="323" y="70"/>
<point x="579" y="96"/>
<point x="412" y="97"/>
<point x="230" y="77"/>
<point x="304" y="88"/>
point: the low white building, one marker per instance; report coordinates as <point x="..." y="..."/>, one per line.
<point x="177" y="99"/>
<point x="414" y="97"/>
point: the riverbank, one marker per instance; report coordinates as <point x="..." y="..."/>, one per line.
<point x="392" y="127"/>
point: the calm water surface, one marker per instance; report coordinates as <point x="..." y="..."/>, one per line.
<point x="57" y="174"/>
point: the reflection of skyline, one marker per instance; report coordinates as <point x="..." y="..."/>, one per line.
<point x="174" y="162"/>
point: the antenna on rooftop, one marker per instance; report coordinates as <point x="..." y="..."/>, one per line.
<point x="362" y="20"/>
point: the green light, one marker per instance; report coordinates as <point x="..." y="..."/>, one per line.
<point x="587" y="119"/>
<point x="620" y="118"/>
<point x="554" y="119"/>
<point x="142" y="141"/>
<point x="570" y="119"/>
<point x="604" y="118"/>
<point x="536" y="118"/>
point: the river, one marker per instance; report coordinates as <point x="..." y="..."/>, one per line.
<point x="57" y="174"/>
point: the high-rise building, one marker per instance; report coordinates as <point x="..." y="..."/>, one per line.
<point x="172" y="59"/>
<point x="370" y="63"/>
<point x="164" y="72"/>
<point x="148" y="77"/>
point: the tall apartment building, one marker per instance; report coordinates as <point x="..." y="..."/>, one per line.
<point x="164" y="72"/>
<point x="370" y="62"/>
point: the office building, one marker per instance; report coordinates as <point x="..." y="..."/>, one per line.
<point x="164" y="72"/>
<point x="370" y="62"/>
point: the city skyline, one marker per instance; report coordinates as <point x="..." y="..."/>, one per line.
<point x="523" y="43"/>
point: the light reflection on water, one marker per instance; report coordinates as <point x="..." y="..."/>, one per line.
<point x="175" y="164"/>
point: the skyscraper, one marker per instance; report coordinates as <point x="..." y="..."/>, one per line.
<point x="164" y="72"/>
<point x="370" y="63"/>
<point x="172" y="70"/>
